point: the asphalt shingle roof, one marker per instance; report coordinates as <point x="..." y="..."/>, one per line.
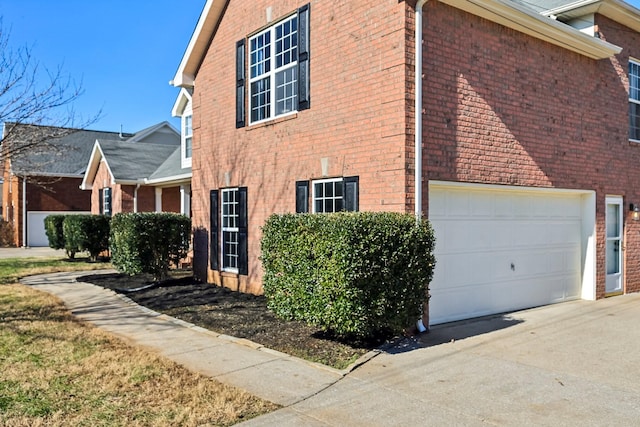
<point x="65" y="155"/>
<point x="134" y="161"/>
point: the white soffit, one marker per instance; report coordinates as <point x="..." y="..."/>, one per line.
<point x="516" y="17"/>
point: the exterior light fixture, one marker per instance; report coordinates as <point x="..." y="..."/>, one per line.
<point x="635" y="211"/>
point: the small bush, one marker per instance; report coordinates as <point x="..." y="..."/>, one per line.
<point x="7" y="234"/>
<point x="53" y="229"/>
<point x="149" y="242"/>
<point x="86" y="233"/>
<point x="355" y="274"/>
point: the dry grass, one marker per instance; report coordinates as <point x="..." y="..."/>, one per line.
<point x="57" y="371"/>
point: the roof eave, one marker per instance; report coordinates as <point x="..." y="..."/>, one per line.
<point x="170" y="179"/>
<point x="616" y="10"/>
<point x="199" y="43"/>
<point x="516" y="17"/>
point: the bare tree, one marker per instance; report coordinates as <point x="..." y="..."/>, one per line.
<point x="36" y="104"/>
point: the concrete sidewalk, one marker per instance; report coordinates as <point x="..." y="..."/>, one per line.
<point x="570" y="364"/>
<point x="265" y="373"/>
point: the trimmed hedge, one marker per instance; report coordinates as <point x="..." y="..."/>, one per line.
<point x="86" y="233"/>
<point x="361" y="274"/>
<point x="53" y="230"/>
<point x="149" y="242"/>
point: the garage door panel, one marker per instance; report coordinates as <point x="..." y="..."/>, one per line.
<point x="499" y="251"/>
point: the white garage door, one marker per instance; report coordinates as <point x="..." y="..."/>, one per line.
<point x="500" y="249"/>
<point x="36" y="235"/>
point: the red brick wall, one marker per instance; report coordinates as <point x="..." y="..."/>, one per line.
<point x="503" y="108"/>
<point x="171" y="199"/>
<point x="357" y="118"/>
<point x="620" y="165"/>
<point x="58" y="195"/>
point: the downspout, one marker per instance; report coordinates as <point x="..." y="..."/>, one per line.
<point x="423" y="324"/>
<point x="24" y="212"/>
<point x="418" y="110"/>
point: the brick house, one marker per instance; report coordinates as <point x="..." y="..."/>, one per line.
<point x="138" y="175"/>
<point x="527" y="137"/>
<point x="44" y="178"/>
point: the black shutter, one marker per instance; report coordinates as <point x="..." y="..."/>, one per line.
<point x="304" y="53"/>
<point x="101" y="200"/>
<point x="214" y="242"/>
<point x="240" y="82"/>
<point x="243" y="246"/>
<point x="351" y="194"/>
<point x="302" y="196"/>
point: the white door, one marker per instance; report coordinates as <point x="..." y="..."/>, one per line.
<point x="500" y="249"/>
<point x="614" y="245"/>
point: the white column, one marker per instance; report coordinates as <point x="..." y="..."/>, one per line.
<point x="185" y="200"/>
<point x="158" y="199"/>
<point x="24" y="212"/>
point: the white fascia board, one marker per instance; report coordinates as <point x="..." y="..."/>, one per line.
<point x="170" y="179"/>
<point x="183" y="99"/>
<point x="198" y="44"/>
<point x="615" y="10"/>
<point x="92" y="167"/>
<point x="516" y="17"/>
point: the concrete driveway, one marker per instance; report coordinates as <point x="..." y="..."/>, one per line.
<point x="30" y="253"/>
<point x="570" y="364"/>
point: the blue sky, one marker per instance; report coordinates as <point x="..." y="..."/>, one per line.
<point x="123" y="52"/>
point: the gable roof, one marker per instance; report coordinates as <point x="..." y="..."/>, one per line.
<point x="199" y="43"/>
<point x="63" y="155"/>
<point x="130" y="163"/>
<point x="162" y="128"/>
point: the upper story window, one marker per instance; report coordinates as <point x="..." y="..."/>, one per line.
<point x="273" y="73"/>
<point x="634" y="101"/>
<point x="278" y="70"/>
<point x="183" y="108"/>
<point x="187" y="134"/>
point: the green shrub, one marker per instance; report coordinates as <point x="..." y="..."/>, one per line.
<point x="355" y="274"/>
<point x="7" y="234"/>
<point x="53" y="229"/>
<point x="149" y="242"/>
<point x="86" y="233"/>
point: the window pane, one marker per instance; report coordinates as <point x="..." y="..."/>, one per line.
<point x="328" y="206"/>
<point x="613" y="257"/>
<point x="286" y="90"/>
<point x="187" y="147"/>
<point x="260" y="100"/>
<point x="613" y="218"/>
<point x="260" y="54"/>
<point x="328" y="187"/>
<point x="339" y="205"/>
<point x="318" y="190"/>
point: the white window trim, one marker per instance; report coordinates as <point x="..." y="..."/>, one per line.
<point x="186" y="161"/>
<point x="271" y="74"/>
<point x="224" y="229"/>
<point x="632" y="100"/>
<point x="313" y="191"/>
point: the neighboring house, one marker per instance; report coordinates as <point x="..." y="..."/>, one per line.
<point x="143" y="174"/>
<point x="523" y="153"/>
<point x="44" y="178"/>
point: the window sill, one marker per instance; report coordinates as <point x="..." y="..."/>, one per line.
<point x="634" y="141"/>
<point x="279" y="119"/>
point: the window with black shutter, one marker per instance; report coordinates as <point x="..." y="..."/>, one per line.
<point x="277" y="76"/>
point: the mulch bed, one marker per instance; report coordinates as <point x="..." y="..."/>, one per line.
<point x="233" y="313"/>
